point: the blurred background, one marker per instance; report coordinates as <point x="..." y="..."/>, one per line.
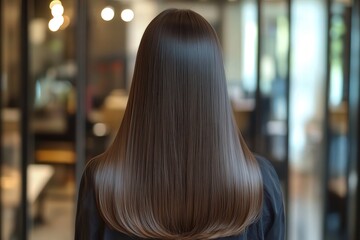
<point x="293" y="72"/>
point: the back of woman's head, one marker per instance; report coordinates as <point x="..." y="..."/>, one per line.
<point x="178" y="168"/>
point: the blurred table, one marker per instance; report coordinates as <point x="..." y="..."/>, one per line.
<point x="38" y="177"/>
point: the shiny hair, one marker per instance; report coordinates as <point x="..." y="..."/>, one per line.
<point x="178" y="167"/>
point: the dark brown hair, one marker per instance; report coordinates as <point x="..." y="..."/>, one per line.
<point x="178" y="168"/>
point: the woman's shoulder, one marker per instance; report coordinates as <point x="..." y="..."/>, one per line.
<point x="271" y="224"/>
<point x="270" y="177"/>
<point x="271" y="182"/>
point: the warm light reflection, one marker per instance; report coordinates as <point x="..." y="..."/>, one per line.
<point x="107" y="13"/>
<point x="66" y="22"/>
<point x="127" y="15"/>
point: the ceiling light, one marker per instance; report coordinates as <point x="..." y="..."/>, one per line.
<point x="107" y="13"/>
<point x="127" y="15"/>
<point x="57" y="10"/>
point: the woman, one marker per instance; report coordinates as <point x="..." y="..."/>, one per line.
<point x="177" y="168"/>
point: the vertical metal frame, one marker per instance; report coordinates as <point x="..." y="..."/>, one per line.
<point x="347" y="75"/>
<point x="1" y="113"/>
<point x="287" y="165"/>
<point x="81" y="59"/>
<point x="354" y="117"/>
<point x="348" y="135"/>
<point x="25" y="116"/>
<point x="326" y="129"/>
<point x="258" y="115"/>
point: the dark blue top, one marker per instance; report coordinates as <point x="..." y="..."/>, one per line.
<point x="271" y="224"/>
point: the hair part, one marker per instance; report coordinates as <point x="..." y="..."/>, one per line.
<point x="178" y="167"/>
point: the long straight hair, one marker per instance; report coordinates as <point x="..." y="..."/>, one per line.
<point x="178" y="167"/>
